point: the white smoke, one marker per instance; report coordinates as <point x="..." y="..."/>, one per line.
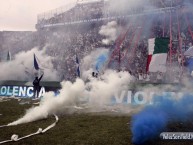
<point x="109" y="31"/>
<point x="97" y="93"/>
<point x="110" y="83"/>
<point x="51" y="104"/>
<point x="22" y="68"/>
<point x="115" y="6"/>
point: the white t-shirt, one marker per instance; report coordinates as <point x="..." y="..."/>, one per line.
<point x="147" y="77"/>
<point x="140" y="77"/>
<point x="159" y="76"/>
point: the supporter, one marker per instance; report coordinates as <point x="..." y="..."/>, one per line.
<point x="83" y="37"/>
<point x="159" y="77"/>
<point x="147" y="77"/>
<point x="140" y="75"/>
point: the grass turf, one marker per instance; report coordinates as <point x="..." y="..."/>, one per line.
<point x="76" y="129"/>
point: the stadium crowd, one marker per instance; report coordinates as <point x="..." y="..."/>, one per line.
<point x="64" y="43"/>
<point x="83" y="41"/>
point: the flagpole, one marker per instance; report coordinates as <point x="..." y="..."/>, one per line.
<point x="115" y="50"/>
<point x="164" y="25"/>
<point x="118" y="43"/>
<point x="170" y="45"/>
<point x="170" y="37"/>
<point x="180" y="47"/>
<point x="123" y="38"/>
<point x="137" y="40"/>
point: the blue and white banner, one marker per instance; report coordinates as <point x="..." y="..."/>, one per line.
<point x="19" y="91"/>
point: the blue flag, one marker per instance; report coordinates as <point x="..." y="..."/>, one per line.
<point x="78" y="67"/>
<point x="190" y="64"/>
<point x="9" y="56"/>
<point x="36" y="66"/>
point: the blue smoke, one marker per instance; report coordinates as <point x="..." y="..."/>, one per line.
<point x="101" y="61"/>
<point x="189" y="64"/>
<point x="152" y="120"/>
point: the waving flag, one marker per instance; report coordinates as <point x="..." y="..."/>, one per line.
<point x="78" y="67"/>
<point x="189" y="65"/>
<point x="36" y="66"/>
<point x="157" y="54"/>
<point x="9" y="56"/>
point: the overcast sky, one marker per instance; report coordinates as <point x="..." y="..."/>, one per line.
<point x="21" y="15"/>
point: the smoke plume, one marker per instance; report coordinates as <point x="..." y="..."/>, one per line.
<point x="109" y="31"/>
<point x="153" y="119"/>
<point x="95" y="60"/>
<point x="51" y="104"/>
<point x="21" y="68"/>
<point x="97" y="93"/>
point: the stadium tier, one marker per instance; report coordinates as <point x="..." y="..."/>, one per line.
<point x="78" y="29"/>
<point x="100" y="10"/>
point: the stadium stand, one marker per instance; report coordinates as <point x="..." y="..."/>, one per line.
<point x="75" y="30"/>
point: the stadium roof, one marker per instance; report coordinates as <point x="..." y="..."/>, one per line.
<point x="88" y="1"/>
<point x="52" y="13"/>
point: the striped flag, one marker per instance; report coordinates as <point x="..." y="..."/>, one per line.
<point x="157" y="54"/>
<point x="36" y="66"/>
<point x="78" y="67"/>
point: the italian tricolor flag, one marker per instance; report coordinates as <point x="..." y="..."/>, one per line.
<point x="157" y="54"/>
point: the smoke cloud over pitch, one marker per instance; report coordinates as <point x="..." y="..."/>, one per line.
<point x="96" y="94"/>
